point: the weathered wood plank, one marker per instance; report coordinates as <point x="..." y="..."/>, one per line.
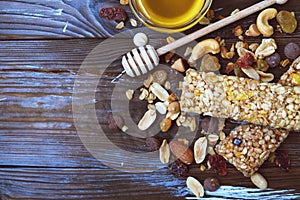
<point x="78" y="19"/>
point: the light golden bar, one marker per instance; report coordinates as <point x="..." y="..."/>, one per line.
<point x="242" y="99"/>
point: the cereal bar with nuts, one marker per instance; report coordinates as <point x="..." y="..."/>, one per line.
<point x="292" y="76"/>
<point x="248" y="146"/>
<point x="242" y="99"/>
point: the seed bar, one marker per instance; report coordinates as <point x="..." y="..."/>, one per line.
<point x="292" y="76"/>
<point x="242" y="99"/>
<point x="248" y="146"/>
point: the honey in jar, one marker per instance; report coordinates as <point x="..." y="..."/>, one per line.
<point x="170" y="13"/>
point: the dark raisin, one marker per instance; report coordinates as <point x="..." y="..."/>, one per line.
<point x="117" y="14"/>
<point x="292" y="50"/>
<point x="115" y="122"/>
<point x="152" y="143"/>
<point x="237" y="141"/>
<point x="218" y="164"/>
<point x="273" y="60"/>
<point x="211" y="184"/>
<point x="178" y="168"/>
<point x="282" y="160"/>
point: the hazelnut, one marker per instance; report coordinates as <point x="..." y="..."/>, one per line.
<point x="211" y="184"/>
<point x="174" y="107"/>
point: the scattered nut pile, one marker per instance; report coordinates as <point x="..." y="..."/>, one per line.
<point x="213" y="149"/>
<point x="118" y="14"/>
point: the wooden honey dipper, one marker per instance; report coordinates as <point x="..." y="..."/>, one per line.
<point x="143" y="59"/>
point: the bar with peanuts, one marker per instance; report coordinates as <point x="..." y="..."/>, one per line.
<point x="292" y="76"/>
<point x="242" y="99"/>
<point x="248" y="146"/>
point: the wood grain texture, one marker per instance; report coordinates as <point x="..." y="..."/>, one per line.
<point x="80" y="19"/>
<point x="39" y="139"/>
<point x="41" y="154"/>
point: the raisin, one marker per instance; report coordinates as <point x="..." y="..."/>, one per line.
<point x="292" y="50"/>
<point x="273" y="60"/>
<point x="115" y="122"/>
<point x="117" y="14"/>
<point x="152" y="143"/>
<point x="178" y="168"/>
<point x="218" y="164"/>
<point x="282" y="160"/>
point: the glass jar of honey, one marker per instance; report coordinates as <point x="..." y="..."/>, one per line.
<point x="170" y="15"/>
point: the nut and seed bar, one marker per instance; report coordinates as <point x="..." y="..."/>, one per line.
<point x="292" y="76"/>
<point x="248" y="146"/>
<point x="242" y="99"/>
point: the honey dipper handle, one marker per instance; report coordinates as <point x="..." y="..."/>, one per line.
<point x="217" y="25"/>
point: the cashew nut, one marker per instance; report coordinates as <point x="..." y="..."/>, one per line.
<point x="202" y="48"/>
<point x="262" y="21"/>
<point x="252" y="31"/>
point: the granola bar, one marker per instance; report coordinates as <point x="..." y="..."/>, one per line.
<point x="248" y="146"/>
<point x="267" y="104"/>
<point x="292" y="76"/>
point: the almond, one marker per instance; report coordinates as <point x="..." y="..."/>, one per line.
<point x="181" y="152"/>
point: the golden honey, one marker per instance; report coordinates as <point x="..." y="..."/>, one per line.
<point x="170" y="13"/>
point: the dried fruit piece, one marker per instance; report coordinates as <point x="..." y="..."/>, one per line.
<point x="287" y="21"/>
<point x="292" y="50"/>
<point x="282" y="160"/>
<point x="259" y="181"/>
<point x="147" y="120"/>
<point x="211" y="184"/>
<point x="246" y="61"/>
<point x="164" y="152"/>
<point x="273" y="60"/>
<point x="261" y="65"/>
<point x="178" y="168"/>
<point x="117" y="14"/>
<point x="165" y="124"/>
<point x="115" y="121"/>
<point x="218" y="164"/>
<point x="182" y="152"/>
<point x="200" y="147"/>
<point x="195" y="186"/>
<point x="209" y="63"/>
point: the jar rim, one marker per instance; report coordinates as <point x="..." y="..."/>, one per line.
<point x="139" y="15"/>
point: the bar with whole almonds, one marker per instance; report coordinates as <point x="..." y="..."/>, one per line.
<point x="248" y="146"/>
<point x="292" y="76"/>
<point x="242" y="99"/>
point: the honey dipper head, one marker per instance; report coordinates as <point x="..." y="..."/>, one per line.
<point x="140" y="60"/>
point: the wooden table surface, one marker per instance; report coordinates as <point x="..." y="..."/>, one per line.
<point x="42" y="46"/>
